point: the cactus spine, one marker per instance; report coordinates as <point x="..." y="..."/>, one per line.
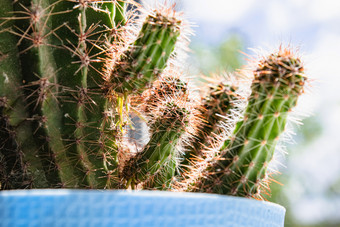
<point x="241" y="168"/>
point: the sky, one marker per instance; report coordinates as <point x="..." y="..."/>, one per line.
<point x="312" y="27"/>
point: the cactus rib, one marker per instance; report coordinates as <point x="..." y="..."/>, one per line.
<point x="13" y="106"/>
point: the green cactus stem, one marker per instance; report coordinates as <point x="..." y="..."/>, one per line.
<point x="220" y="102"/>
<point x="145" y="60"/>
<point x="156" y="164"/>
<point x="242" y="167"/>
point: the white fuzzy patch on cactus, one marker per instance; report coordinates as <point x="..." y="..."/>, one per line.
<point x="6" y="78"/>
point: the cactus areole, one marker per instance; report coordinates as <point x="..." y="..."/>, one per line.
<point x="71" y="74"/>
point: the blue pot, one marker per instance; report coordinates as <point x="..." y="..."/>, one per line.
<point x="72" y="208"/>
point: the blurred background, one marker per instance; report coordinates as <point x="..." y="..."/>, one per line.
<point x="227" y="31"/>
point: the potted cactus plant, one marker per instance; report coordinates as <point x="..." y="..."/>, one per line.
<point x="71" y="72"/>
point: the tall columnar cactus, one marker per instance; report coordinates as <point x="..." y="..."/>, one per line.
<point x="57" y="105"/>
<point x="241" y="169"/>
<point x="156" y="164"/>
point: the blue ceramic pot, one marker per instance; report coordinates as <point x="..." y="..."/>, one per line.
<point x="72" y="208"/>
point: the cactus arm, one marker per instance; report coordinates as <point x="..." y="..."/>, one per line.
<point x="242" y="168"/>
<point x="258" y="149"/>
<point x="147" y="58"/>
<point x="144" y="60"/>
<point x="219" y="102"/>
<point x="156" y="164"/>
<point x="160" y="157"/>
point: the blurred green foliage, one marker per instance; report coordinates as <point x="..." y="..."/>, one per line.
<point x="225" y="56"/>
<point x="305" y="133"/>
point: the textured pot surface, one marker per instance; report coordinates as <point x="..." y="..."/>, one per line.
<point x="123" y="208"/>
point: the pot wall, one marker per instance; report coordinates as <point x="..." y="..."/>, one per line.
<point x="48" y="208"/>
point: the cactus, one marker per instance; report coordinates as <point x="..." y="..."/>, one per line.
<point x="141" y="64"/>
<point x="156" y="164"/>
<point x="166" y="86"/>
<point x="217" y="105"/>
<point x="63" y="109"/>
<point x="71" y="72"/>
<point x="241" y="168"/>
